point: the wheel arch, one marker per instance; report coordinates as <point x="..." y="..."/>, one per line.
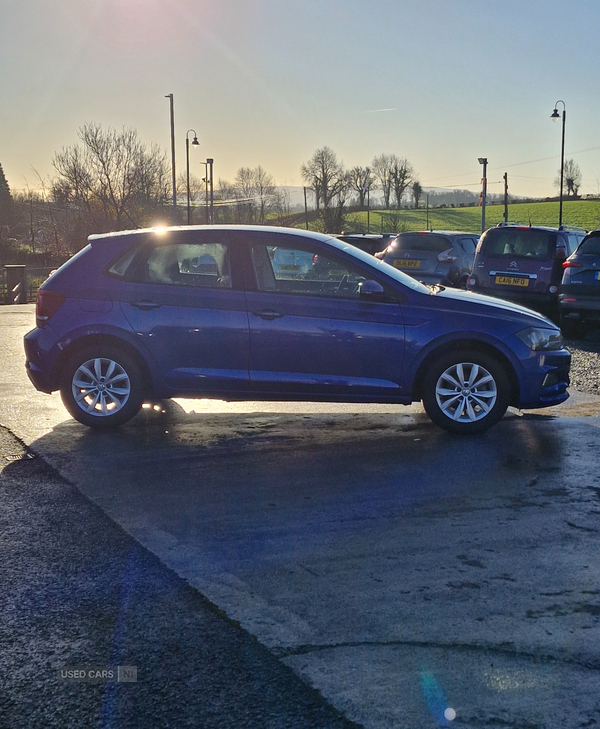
<point x="467" y="345"/>
<point x="82" y="343"/>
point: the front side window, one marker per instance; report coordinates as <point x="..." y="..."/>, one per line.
<point x="292" y="269"/>
<point x="201" y="265"/>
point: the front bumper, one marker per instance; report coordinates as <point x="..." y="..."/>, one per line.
<point x="548" y="379"/>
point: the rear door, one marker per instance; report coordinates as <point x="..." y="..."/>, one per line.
<point x="188" y="309"/>
<point x="516" y="260"/>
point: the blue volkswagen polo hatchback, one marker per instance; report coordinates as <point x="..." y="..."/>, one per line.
<point x="211" y="312"/>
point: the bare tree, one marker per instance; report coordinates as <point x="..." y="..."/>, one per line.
<point x="264" y="186"/>
<point x="417" y="191"/>
<point x="401" y="174"/>
<point x="361" y="179"/>
<point x="572" y="177"/>
<point x="113" y="176"/>
<point x="329" y="181"/>
<point x="382" y="170"/>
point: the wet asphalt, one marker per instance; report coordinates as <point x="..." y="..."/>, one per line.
<point x="77" y="591"/>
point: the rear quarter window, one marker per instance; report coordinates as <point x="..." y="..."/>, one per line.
<point x="590" y="247"/>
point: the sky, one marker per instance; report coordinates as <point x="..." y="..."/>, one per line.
<point x="268" y="82"/>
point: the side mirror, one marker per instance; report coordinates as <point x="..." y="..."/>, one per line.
<point x="370" y="290"/>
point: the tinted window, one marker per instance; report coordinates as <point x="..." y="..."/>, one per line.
<point x="303" y="271"/>
<point x="538" y="245"/>
<point x="204" y="265"/>
<point x="422" y="242"/>
<point x="469" y="245"/>
<point x="591" y="246"/>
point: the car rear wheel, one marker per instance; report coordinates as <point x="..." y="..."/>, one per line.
<point x="102" y="386"/>
<point x="466" y="392"/>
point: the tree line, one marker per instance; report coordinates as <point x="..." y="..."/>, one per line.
<point x="111" y="180"/>
<point x="334" y="186"/>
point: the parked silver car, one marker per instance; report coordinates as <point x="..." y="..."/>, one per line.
<point x="434" y="257"/>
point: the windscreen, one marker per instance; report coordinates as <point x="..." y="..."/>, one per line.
<point x="537" y="245"/>
<point x="422" y="242"/>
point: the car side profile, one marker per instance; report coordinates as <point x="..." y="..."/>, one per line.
<point x="442" y="257"/>
<point x="206" y="312"/>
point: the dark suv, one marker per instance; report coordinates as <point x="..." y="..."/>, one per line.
<point x="579" y="298"/>
<point x="523" y="263"/>
<point x="433" y="257"/>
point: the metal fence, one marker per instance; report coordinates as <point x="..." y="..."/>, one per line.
<point x="34" y="278"/>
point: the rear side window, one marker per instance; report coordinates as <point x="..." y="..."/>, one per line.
<point x="422" y="242"/>
<point x="201" y="265"/>
<point x="590" y="247"/>
<point x="537" y="245"/>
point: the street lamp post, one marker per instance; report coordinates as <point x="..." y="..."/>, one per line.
<point x="483" y="161"/>
<point x="209" y="166"/>
<point x="196" y="143"/>
<point x="555" y="117"/>
<point x="170" y="97"/>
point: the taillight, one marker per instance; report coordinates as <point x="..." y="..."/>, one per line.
<point x="446" y="256"/>
<point x="572" y="264"/>
<point x="47" y="304"/>
<point x="560" y="253"/>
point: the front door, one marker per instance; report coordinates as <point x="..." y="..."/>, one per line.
<point x="311" y="333"/>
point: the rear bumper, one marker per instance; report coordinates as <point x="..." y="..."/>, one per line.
<point x="585" y="307"/>
<point x="37" y="358"/>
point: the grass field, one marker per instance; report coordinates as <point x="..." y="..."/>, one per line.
<point x="582" y="213"/>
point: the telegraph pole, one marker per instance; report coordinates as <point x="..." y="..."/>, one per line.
<point x="170" y="97"/>
<point x="506" y="197"/>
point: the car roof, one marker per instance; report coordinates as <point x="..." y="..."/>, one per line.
<point x="163" y="230"/>
<point x="436" y="232"/>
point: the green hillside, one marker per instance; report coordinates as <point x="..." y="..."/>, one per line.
<point x="583" y="213"/>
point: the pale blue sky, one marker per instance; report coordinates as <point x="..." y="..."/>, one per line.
<point x="269" y="81"/>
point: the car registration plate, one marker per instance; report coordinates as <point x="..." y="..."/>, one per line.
<point x="512" y="281"/>
<point x="597" y="276"/>
<point x="407" y="264"/>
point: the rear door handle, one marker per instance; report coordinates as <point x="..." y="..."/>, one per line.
<point x="145" y="304"/>
<point x="268" y="314"/>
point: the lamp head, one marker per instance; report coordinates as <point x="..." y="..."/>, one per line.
<point x="482" y="160"/>
<point x="555" y="116"/>
<point x="195" y="141"/>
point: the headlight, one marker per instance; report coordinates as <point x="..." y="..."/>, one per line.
<point x="541" y="339"/>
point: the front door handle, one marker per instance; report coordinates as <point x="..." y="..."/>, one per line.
<point x="145" y="304"/>
<point x="268" y="314"/>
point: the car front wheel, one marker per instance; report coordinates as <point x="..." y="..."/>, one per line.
<point x="102" y="386"/>
<point x="466" y="393"/>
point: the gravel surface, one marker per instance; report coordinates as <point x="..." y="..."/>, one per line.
<point x="585" y="364"/>
<point x="76" y="590"/>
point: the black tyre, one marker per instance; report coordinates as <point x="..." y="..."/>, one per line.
<point x="102" y="386"/>
<point x="466" y="392"/>
<point x="571" y="328"/>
